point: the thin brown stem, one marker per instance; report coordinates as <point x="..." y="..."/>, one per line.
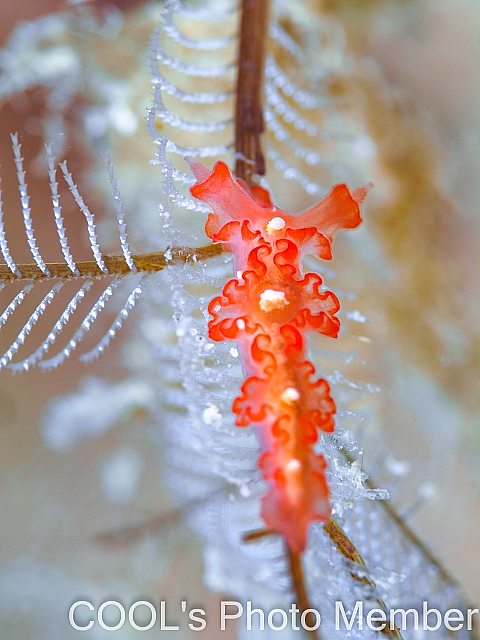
<point x="116" y="265"/>
<point x="249" y="91"/>
<point x="346" y="547"/>
<point x="300" y="590"/>
<point x="127" y="536"/>
<point x="343" y="543"/>
<point x="296" y="573"/>
<point x="258" y="534"/>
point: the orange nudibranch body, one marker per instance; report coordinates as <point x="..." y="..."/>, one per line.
<point x="268" y="309"/>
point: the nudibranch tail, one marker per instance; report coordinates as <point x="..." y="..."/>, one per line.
<point x="269" y="309"/>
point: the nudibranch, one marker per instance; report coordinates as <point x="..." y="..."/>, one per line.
<point x="268" y="309"/>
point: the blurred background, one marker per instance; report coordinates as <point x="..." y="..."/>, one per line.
<point x="410" y="82"/>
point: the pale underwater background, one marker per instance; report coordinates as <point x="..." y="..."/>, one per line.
<point x="86" y="466"/>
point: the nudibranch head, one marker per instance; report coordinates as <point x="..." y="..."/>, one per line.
<point x="233" y="201"/>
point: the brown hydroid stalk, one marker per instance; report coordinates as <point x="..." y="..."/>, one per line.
<point x="296" y="575"/>
<point x="343" y="543"/>
<point x="345" y="546"/>
<point x="250" y="162"/>
<point x="116" y="265"/>
<point x="127" y="536"/>
<point x="258" y="534"/>
<point x="300" y="590"/>
<point x="249" y="91"/>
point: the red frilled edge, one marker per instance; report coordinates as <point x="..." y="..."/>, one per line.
<point x="268" y="309"/>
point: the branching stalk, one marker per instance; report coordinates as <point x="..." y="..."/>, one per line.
<point x="249" y="92"/>
<point x="346" y="547"/>
<point x="116" y="265"/>
<point x="300" y="590"/>
<point x="249" y="127"/>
